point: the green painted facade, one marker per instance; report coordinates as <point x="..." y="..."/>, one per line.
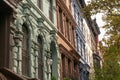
<point x="38" y="24"/>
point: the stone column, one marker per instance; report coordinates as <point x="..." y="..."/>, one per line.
<point x="17" y="53"/>
<point x="55" y="55"/>
<point x="11" y="40"/>
<point x="34" y="60"/>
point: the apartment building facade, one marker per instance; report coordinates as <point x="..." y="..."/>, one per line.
<point x="80" y="39"/>
<point x="66" y="26"/>
<point x="88" y="49"/>
<point x="29" y="49"/>
<point x="7" y="12"/>
<point x="92" y="42"/>
<point x="42" y="39"/>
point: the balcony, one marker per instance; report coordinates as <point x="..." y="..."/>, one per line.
<point x="7" y="74"/>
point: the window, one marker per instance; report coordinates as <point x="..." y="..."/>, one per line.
<point x="75" y="66"/>
<point x="74" y="12"/>
<point x="81" y="24"/>
<point x="67" y="29"/>
<point x="25" y="55"/>
<point x="63" y="65"/>
<point x="51" y="11"/>
<point x="81" y="44"/>
<point x="78" y="44"/>
<point x="72" y="39"/>
<point x="40" y="61"/>
<point x="77" y="39"/>
<point x="69" y="67"/>
<point x="84" y="51"/>
<point x="60" y="20"/>
<point x="78" y="19"/>
<point x="39" y="4"/>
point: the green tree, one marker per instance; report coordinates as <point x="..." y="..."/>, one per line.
<point x="111" y="11"/>
<point x="53" y="78"/>
<point x="98" y="71"/>
<point x="111" y="66"/>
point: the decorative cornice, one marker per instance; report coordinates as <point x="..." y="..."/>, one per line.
<point x="71" y="54"/>
<point x="73" y="50"/>
<point x="62" y="36"/>
<point x="41" y="14"/>
<point x="12" y="3"/>
<point x="64" y="51"/>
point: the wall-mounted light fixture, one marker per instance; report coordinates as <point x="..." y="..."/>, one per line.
<point x="49" y="61"/>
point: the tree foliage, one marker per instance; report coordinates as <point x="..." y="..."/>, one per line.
<point x="111" y="11"/>
<point x="98" y="70"/>
<point x="111" y="66"/>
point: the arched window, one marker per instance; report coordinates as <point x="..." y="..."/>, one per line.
<point x="25" y="54"/>
<point x="40" y="61"/>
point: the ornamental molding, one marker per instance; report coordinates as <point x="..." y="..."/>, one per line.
<point x="13" y="3"/>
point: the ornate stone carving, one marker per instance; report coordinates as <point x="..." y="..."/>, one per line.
<point x="26" y="8"/>
<point x="53" y="36"/>
<point x="12" y="3"/>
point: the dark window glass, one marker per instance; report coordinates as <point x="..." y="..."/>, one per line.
<point x="69" y="67"/>
<point x="60" y="20"/>
<point x="67" y="31"/>
<point x="51" y="11"/>
<point x="77" y="40"/>
<point x="39" y="3"/>
<point x="75" y="12"/>
<point x="25" y="55"/>
<point x="40" y="61"/>
<point x="63" y="66"/>
<point x="78" y="19"/>
<point x="81" y="44"/>
<point x="75" y="66"/>
<point x="72" y="32"/>
<point x="81" y="24"/>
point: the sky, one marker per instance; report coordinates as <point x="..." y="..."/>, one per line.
<point x="100" y="24"/>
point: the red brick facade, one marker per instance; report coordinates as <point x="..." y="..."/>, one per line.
<point x="69" y="56"/>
